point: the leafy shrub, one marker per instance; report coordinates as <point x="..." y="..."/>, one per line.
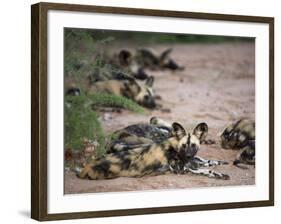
<point x="80" y="120"/>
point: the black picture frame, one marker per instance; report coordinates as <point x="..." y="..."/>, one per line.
<point x="39" y="110"/>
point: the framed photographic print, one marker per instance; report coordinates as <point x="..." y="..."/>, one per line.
<point x="138" y="111"/>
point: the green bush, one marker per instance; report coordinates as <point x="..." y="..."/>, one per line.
<point x="80" y="120"/>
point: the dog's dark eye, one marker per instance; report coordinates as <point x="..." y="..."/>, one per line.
<point x="146" y="97"/>
<point x="225" y="134"/>
<point x="233" y="135"/>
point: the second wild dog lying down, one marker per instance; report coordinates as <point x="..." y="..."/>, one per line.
<point x="136" y="63"/>
<point x="142" y="94"/>
<point x="174" y="154"/>
<point x="240" y="136"/>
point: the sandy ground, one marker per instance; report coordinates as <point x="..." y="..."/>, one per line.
<point x="216" y="87"/>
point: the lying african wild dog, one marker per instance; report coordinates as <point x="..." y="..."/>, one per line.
<point x="142" y="94"/>
<point x="241" y="136"/>
<point x="142" y="59"/>
<point x="173" y="153"/>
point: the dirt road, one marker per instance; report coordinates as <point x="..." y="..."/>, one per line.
<point x="216" y="87"/>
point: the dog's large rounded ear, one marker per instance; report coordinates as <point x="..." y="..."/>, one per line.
<point x="153" y="120"/>
<point x="132" y="86"/>
<point x="178" y="130"/>
<point x="130" y="81"/>
<point x="125" y="57"/>
<point x="149" y="82"/>
<point x="165" y="54"/>
<point x="201" y="131"/>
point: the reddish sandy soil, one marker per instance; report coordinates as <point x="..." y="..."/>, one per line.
<point x="217" y="87"/>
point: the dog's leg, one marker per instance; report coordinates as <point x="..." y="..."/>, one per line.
<point x="161" y="170"/>
<point x="208" y="162"/>
<point x="245" y="157"/>
<point x="209" y="173"/>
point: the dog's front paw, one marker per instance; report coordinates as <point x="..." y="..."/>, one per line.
<point x="222" y="176"/>
<point x="221" y="162"/>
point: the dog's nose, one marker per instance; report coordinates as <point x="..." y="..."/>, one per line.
<point x="191" y="152"/>
<point x="150" y="104"/>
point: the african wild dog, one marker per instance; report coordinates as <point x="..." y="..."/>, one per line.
<point x="142" y="94"/>
<point x="241" y="136"/>
<point x="153" y="159"/>
<point x="144" y="58"/>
